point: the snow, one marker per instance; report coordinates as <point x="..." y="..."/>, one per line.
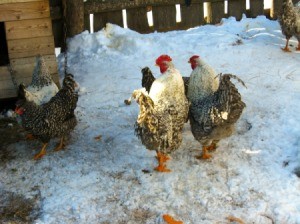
<point x="111" y="180"/>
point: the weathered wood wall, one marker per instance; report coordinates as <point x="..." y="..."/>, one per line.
<point x="28" y="32"/>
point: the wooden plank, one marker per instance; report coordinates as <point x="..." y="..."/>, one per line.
<point x="26" y="65"/>
<point x="191" y="16"/>
<point x="26" y="10"/>
<point x="57" y="29"/>
<point x="256" y="8"/>
<point x="16" y="1"/>
<point x="137" y="20"/>
<point x="114" y="17"/>
<point x="75" y="17"/>
<point x="164" y="17"/>
<point x="236" y="8"/>
<point x="28" y="28"/>
<point x="275" y="10"/>
<point x="86" y="22"/>
<point x="217" y="12"/>
<point x="30" y="47"/>
<point x="96" y="6"/>
<point x="7" y="88"/>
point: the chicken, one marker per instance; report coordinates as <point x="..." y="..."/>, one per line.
<point x="289" y="20"/>
<point x="163" y="112"/>
<point x="215" y="105"/>
<point x="55" y="118"/>
<point x="42" y="87"/>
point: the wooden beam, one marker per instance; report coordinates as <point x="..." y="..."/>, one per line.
<point x="16" y="1"/>
<point x="25" y="10"/>
<point x="75" y="17"/>
<point x="7" y="88"/>
<point x="275" y="10"/>
<point x="96" y="6"/>
<point x="164" y="17"/>
<point x="137" y="20"/>
<point x="256" y="8"/>
<point x="28" y="28"/>
<point x="236" y="8"/>
<point x="30" y="47"/>
<point x="191" y="16"/>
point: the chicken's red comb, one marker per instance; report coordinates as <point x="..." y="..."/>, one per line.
<point x="194" y="57"/>
<point x="162" y="58"/>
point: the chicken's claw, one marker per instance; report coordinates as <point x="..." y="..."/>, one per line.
<point x="205" y="154"/>
<point x="41" y="153"/>
<point x="60" y="145"/>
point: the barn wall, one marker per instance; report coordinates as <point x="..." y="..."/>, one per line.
<point x="28" y="32"/>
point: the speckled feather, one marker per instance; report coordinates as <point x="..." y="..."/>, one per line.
<point x="55" y="118"/>
<point x="289" y="19"/>
<point x="162" y="113"/>
<point x="213" y="117"/>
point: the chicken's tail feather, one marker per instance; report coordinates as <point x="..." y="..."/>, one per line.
<point x="229" y="98"/>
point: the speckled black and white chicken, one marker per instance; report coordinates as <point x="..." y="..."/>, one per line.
<point x="42" y="88"/>
<point x="289" y="20"/>
<point x="215" y="105"/>
<point x="55" y="118"/>
<point x="163" y="112"/>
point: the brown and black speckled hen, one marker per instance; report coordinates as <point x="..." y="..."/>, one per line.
<point x="215" y="105"/>
<point x="55" y="118"/>
<point x="163" y="112"/>
<point x="289" y="20"/>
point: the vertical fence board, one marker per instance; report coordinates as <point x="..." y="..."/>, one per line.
<point x="100" y="19"/>
<point x="236" y="8"/>
<point x="256" y="8"/>
<point x="217" y="12"/>
<point x="137" y="20"/>
<point x="86" y="22"/>
<point x="191" y="16"/>
<point x="164" y="17"/>
<point x="276" y="8"/>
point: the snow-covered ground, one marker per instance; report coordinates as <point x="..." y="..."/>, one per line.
<point x="251" y="175"/>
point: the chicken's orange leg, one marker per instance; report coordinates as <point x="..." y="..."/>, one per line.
<point x="61" y="145"/>
<point x="286" y="49"/>
<point x="41" y="153"/>
<point x="29" y="137"/>
<point x="162" y="159"/>
<point x="205" y="154"/>
<point x="298" y="48"/>
<point x="170" y="220"/>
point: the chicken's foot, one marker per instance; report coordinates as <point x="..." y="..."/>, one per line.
<point x="286" y="49"/>
<point x="41" y="153"/>
<point x="162" y="159"/>
<point x="298" y="48"/>
<point x="60" y="145"/>
<point x="29" y="137"/>
<point x="170" y="220"/>
<point x="205" y="154"/>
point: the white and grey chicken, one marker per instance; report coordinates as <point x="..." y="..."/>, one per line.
<point x="215" y="105"/>
<point x="42" y="87"/>
<point x="289" y="20"/>
<point x="163" y="112"/>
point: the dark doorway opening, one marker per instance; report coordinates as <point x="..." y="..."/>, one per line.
<point x="4" y="59"/>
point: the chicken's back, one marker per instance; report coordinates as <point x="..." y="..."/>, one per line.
<point x="213" y="117"/>
<point x="163" y="113"/>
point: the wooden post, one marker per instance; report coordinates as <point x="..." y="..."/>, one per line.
<point x="74" y="17"/>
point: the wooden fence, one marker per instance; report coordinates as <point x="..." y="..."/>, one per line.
<point x="163" y="13"/>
